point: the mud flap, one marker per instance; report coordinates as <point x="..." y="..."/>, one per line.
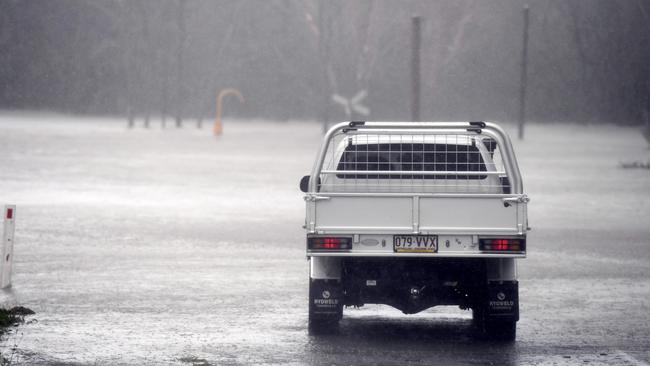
<point x="326" y="299"/>
<point x="503" y="301"/>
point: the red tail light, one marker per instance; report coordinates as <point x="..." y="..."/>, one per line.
<point x="503" y="245"/>
<point x="327" y="243"/>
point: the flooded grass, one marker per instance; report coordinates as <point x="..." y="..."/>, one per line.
<point x="13" y="317"/>
<point x="172" y="246"/>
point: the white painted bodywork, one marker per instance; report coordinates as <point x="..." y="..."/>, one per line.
<point x="372" y="211"/>
<point x="416" y="214"/>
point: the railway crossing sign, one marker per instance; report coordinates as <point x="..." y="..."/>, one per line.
<point x="353" y="104"/>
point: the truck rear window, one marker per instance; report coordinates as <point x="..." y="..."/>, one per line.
<point x="451" y="159"/>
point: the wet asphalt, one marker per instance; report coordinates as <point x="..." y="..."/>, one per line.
<point x="174" y="247"/>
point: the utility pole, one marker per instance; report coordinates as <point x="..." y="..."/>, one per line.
<point x="179" y="63"/>
<point x="524" y="77"/>
<point x="323" y="53"/>
<point x="415" y="68"/>
<point x="164" y="108"/>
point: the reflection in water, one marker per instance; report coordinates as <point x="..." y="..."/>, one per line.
<point x="393" y="340"/>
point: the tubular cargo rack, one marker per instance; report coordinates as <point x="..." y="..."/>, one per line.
<point x="416" y="157"/>
<point x="427" y="162"/>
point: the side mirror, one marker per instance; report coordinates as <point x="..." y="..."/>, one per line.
<point x="304" y="183"/>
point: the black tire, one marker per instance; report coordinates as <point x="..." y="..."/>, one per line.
<point x="501" y="330"/>
<point x="477" y="317"/>
<point x="323" y="323"/>
<point x="322" y="326"/>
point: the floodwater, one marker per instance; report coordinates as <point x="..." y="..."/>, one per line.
<point x="151" y="246"/>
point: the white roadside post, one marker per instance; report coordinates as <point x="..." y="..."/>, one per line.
<point x="7" y="246"/>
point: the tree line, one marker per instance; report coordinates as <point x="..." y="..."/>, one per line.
<point x="587" y="61"/>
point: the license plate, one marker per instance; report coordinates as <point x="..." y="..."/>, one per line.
<point x="415" y="243"/>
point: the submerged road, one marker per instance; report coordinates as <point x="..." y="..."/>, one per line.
<point x="173" y="247"/>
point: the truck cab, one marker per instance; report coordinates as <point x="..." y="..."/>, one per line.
<point x="415" y="215"/>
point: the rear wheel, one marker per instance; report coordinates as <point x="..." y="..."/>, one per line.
<point x="498" y="310"/>
<point x="320" y="325"/>
<point x="477" y="317"/>
<point x="494" y="329"/>
<point x="502" y="330"/>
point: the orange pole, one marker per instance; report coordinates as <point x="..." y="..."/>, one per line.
<point x="218" y="125"/>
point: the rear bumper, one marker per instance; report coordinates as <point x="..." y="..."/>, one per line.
<point x="459" y="245"/>
<point x="311" y="253"/>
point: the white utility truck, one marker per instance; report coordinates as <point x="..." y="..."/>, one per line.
<point x="415" y="215"/>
